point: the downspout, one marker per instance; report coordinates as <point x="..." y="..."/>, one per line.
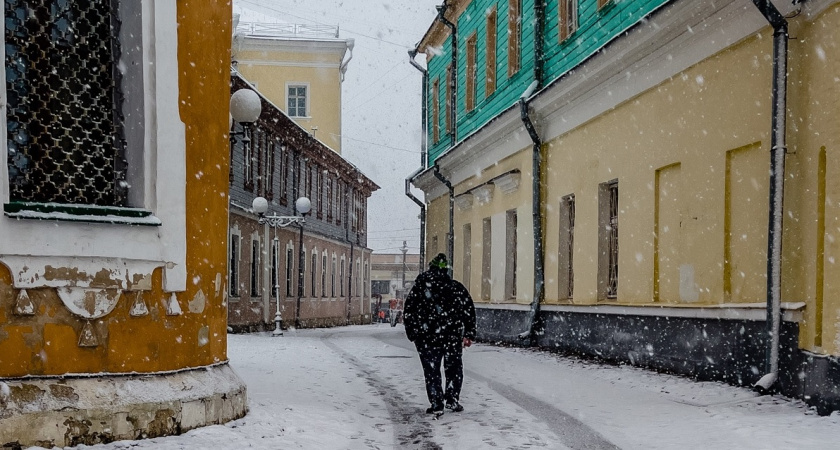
<point x="423" y="149"/>
<point x="534" y="325"/>
<point x="450" y="239"/>
<point x="424" y="109"/>
<point x="536" y="213"/>
<point x="422" y="215"/>
<point x="777" y="179"/>
<point x="453" y="84"/>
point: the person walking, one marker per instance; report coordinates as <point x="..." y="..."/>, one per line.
<point x="439" y="317"/>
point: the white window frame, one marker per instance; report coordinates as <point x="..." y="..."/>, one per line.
<point x="157" y="155"/>
<point x="302" y="84"/>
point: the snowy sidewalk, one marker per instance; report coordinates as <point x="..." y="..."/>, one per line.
<point x="361" y="388"/>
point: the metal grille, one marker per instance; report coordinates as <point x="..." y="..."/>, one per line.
<point x="612" y="287"/>
<point x="65" y="123"/>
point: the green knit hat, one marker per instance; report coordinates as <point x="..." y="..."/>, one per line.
<point x="439" y="262"/>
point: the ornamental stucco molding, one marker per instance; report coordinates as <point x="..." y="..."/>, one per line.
<point x="464" y="201"/>
<point x="509" y="182"/>
<point x="483" y="194"/>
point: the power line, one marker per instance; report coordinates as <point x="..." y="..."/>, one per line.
<point x="377" y="144"/>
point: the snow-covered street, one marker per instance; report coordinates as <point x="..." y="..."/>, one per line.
<point x="361" y="387"/>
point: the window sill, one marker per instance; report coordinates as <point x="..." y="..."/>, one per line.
<point x="80" y="213"/>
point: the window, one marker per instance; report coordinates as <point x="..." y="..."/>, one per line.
<point x="290" y="261"/>
<point x="324" y="275"/>
<point x="316" y="193"/>
<point x="332" y="277"/>
<point x="275" y="267"/>
<point x="65" y="103"/>
<point x="250" y="139"/>
<point x="471" y="74"/>
<point x="268" y="173"/>
<point x="514" y="36"/>
<point x="339" y="202"/>
<point x="568" y="18"/>
<point x="78" y="106"/>
<point x="486" y="248"/>
<point x="565" y="253"/>
<point x="358" y="269"/>
<point x="312" y="266"/>
<point x="467" y="255"/>
<point x="301" y="285"/>
<point x="448" y="101"/>
<point x="255" y="268"/>
<point x="510" y="251"/>
<point x="608" y="240"/>
<point x="367" y="275"/>
<point x="380" y="287"/>
<point x="341" y="278"/>
<point x="283" y="156"/>
<point x="233" y="258"/>
<point x="602" y="3"/>
<point x="490" y="69"/>
<point x="297" y="100"/>
<point x="436" y="110"/>
<point x="329" y="195"/>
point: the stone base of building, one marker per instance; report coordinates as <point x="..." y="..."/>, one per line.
<point x="315" y="322"/>
<point x="49" y="412"/>
<point x="730" y="350"/>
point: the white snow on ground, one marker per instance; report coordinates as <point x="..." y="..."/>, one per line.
<point x="361" y="388"/>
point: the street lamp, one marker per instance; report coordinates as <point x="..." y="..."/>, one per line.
<point x="245" y="108"/>
<point x="302" y="207"/>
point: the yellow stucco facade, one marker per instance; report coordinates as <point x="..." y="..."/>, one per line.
<point x="274" y="64"/>
<point x="691" y="157"/>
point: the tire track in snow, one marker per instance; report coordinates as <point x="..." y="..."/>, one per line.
<point x="412" y="429"/>
<point x="572" y="432"/>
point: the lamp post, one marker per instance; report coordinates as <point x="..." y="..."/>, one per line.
<point x="245" y="108"/>
<point x="302" y="207"/>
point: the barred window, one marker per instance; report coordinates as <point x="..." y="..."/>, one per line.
<point x="65" y="123"/>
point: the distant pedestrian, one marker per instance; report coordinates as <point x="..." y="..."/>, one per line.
<point x="439" y="318"/>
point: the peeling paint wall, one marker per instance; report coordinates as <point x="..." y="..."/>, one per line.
<point x="111" y="313"/>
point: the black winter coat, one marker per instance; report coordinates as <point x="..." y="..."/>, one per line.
<point x="438" y="307"/>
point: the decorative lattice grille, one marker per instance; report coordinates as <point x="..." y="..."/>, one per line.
<point x="64" y="119"/>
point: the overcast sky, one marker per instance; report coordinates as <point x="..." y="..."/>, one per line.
<point x="381" y="98"/>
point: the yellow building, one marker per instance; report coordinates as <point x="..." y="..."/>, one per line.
<point x="647" y="129"/>
<point x="299" y="68"/>
<point x="113" y="276"/>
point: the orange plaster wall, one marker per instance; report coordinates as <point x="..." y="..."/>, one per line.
<point x="204" y="59"/>
<point x="47" y="342"/>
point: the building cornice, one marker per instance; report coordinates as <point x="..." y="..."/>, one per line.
<point x="681" y="34"/>
<point x="277" y="44"/>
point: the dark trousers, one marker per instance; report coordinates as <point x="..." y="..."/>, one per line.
<point x="431" y="353"/>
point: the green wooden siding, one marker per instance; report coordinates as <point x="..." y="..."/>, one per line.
<point x="596" y="28"/>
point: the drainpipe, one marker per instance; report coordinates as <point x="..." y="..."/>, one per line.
<point x="534" y="325"/>
<point x="453" y="84"/>
<point x="424" y="109"/>
<point x="536" y="212"/>
<point x="422" y="215"/>
<point x="777" y="180"/>
<point x="423" y="149"/>
<point x="450" y="239"/>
